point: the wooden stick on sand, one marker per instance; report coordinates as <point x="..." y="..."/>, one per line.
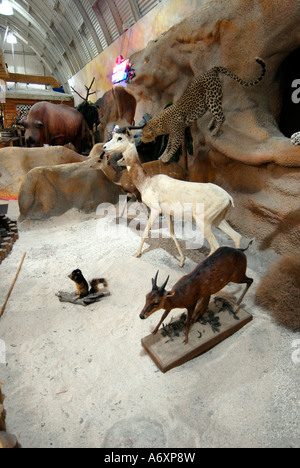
<point x="12" y="286"/>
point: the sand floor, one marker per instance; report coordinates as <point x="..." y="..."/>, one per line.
<point x="79" y="377"/>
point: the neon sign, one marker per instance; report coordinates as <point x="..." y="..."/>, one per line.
<point x="120" y="70"/>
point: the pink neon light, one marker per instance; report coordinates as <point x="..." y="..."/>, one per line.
<point x="120" y="70"/>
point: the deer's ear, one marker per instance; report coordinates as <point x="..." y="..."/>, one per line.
<point x="170" y="294"/>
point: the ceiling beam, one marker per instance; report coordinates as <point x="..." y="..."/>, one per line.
<point x="36" y="79"/>
<point x="102" y="23"/>
<point x="58" y="47"/>
<point x="89" y="25"/>
<point x="135" y="9"/>
<point x="30" y="30"/>
<point x="116" y="16"/>
<point x="21" y="78"/>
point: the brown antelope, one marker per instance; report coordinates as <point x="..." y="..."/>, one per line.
<point x="193" y="291"/>
<point x="168" y="196"/>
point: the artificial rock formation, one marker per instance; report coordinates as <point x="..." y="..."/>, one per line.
<point x="251" y="157"/>
<point x="230" y="33"/>
<point x="16" y="162"/>
<point x="116" y="107"/>
<point x="279" y="292"/>
<point x="51" y="191"/>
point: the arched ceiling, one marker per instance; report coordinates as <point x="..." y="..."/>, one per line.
<point x="67" y="34"/>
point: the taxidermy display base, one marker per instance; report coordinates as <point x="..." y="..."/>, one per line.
<point x="167" y="349"/>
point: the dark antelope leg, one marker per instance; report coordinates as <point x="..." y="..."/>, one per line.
<point x="164" y="315"/>
<point x="249" y="281"/>
<point x="200" y="308"/>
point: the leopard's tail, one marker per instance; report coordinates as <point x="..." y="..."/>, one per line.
<point x="239" y="80"/>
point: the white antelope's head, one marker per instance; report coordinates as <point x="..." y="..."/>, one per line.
<point x="119" y="142"/>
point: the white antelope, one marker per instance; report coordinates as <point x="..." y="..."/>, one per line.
<point x="163" y="195"/>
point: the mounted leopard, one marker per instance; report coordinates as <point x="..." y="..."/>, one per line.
<point x="204" y="93"/>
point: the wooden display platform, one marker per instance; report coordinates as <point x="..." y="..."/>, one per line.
<point x="167" y="349"/>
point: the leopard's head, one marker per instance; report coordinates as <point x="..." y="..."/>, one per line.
<point x="148" y="133"/>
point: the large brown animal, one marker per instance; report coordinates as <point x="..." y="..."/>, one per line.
<point x="55" y="124"/>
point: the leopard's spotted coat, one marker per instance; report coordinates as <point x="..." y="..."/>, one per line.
<point x="204" y="93"/>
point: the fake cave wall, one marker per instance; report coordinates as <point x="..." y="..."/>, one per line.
<point x="253" y="157"/>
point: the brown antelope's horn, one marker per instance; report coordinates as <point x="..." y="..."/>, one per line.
<point x="154" y="281"/>
<point x="129" y="127"/>
<point x="162" y="288"/>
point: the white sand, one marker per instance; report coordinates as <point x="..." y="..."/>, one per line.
<point x="78" y="377"/>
